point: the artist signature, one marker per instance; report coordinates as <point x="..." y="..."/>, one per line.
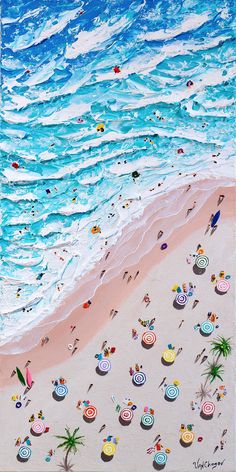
<point x="202" y="464"/>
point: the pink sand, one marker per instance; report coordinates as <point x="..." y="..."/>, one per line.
<point x="134" y="254"/>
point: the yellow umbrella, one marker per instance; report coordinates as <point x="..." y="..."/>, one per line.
<point x="169" y="356"/>
<point x="109" y="449"/>
<point x="187" y="437"/>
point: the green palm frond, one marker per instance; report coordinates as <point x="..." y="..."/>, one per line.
<point x="62" y="437"/>
<point x="214" y="371"/>
<point x="71" y="441"/>
<point x="75" y="431"/>
<point x="65" y="445"/>
<point x="221" y="346"/>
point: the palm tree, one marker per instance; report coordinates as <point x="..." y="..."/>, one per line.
<point x="214" y="371"/>
<point x="221" y="347"/>
<point x="203" y="392"/>
<point x="70" y="444"/>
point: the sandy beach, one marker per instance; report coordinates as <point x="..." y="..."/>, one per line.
<point x="159" y="270"/>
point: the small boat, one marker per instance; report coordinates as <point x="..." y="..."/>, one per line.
<point x="28" y="378"/>
<point x="20" y="376"/>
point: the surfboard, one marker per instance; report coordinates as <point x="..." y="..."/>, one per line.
<point x="20" y="376"/>
<point x="215" y="218"/>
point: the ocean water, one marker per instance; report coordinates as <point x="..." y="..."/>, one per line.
<point x="69" y="66"/>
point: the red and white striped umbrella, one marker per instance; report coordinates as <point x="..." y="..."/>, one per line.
<point x="223" y="285"/>
<point x="149" y="338"/>
<point x="208" y="408"/>
<point x="38" y="427"/>
<point x="126" y="414"/>
<point x="90" y="412"/>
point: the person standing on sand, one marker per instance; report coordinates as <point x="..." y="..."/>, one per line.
<point x="125" y="273"/>
<point x="164" y="379"/>
<point x="195" y="303"/>
<point x="102" y="428"/>
<point x="220" y="199"/>
<point x="204" y="359"/>
<point x="129" y="279"/>
<point x="107" y="255"/>
<point x="180" y="323"/>
<point x="90" y="386"/>
<point x="103" y="345"/>
<point x="191" y="209"/>
<point x="160" y="234"/>
<point x="136" y="275"/>
<point x="102" y="273"/>
<point x="179" y="351"/>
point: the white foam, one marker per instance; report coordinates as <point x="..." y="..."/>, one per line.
<point x="191" y="23"/>
<point x="94" y="39"/>
<point x="50" y="28"/>
<point x="65" y="114"/>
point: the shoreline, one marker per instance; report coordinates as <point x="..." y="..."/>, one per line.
<point x="89" y="322"/>
<point x="154" y="216"/>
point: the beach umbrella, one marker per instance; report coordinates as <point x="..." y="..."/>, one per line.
<point x="28" y="378"/>
<point x="215" y="218"/>
<point x="20" y="376"/>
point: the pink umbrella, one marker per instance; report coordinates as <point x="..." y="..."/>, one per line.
<point x="28" y="378"/>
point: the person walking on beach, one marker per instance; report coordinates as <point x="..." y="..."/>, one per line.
<point x="191" y="209"/>
<point x="90" y="386"/>
<point x="102" y="273"/>
<point x="159" y="234"/>
<point x="162" y="382"/>
<point x="129" y="279"/>
<point x="27" y="363"/>
<point x="179" y="351"/>
<point x="136" y="275"/>
<point x="125" y="273"/>
<point x="146" y="299"/>
<point x="199" y="355"/>
<point x="102" y="428"/>
<point x="72" y="328"/>
<point x="107" y="255"/>
<point x="204" y="359"/>
<point x="103" y="345"/>
<point x="114" y="314"/>
<point x="220" y="199"/>
<point x="195" y="303"/>
<point x="180" y="323"/>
